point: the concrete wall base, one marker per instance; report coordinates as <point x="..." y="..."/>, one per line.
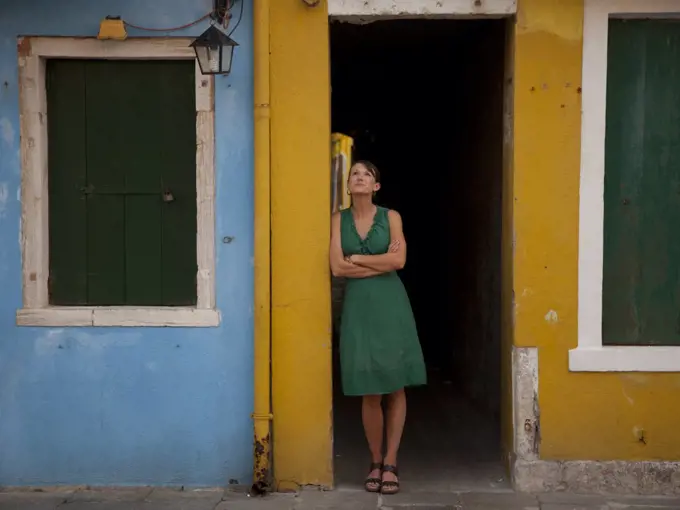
<point x="597" y="477"/>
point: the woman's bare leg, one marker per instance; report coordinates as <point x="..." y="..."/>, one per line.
<point x="396" y="416"/>
<point x="372" y="417"/>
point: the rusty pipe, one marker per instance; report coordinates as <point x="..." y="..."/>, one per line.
<point x="262" y="415"/>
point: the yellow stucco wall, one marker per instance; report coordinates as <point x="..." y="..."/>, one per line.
<point x="300" y="212"/>
<point x="584" y="416"/>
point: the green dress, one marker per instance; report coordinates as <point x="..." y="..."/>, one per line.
<point x="379" y="348"/>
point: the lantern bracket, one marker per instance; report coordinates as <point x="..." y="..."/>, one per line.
<point x="220" y="11"/>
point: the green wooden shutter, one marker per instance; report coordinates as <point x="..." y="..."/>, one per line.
<point x="641" y="287"/>
<point x="67" y="178"/>
<point x="137" y="142"/>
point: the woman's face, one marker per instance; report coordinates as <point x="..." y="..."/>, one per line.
<point x="361" y="181"/>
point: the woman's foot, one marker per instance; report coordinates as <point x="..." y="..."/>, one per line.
<point x="390" y="479"/>
<point x="373" y="483"/>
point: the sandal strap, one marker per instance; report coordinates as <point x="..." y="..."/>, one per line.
<point x="372" y="479"/>
<point x="391" y="469"/>
<point x="389" y="487"/>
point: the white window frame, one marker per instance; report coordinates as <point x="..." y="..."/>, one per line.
<point x="33" y="52"/>
<point x="591" y="355"/>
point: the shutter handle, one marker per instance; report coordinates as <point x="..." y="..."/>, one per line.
<point x="168" y="196"/>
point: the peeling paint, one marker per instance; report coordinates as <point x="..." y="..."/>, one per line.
<point x="23" y="46"/>
<point x="526" y="409"/>
<point x="627" y="397"/>
<point x="551" y="316"/>
<point x="4" y="197"/>
<point x="385" y="9"/>
<point x="565" y="22"/>
<point x="639" y="379"/>
<point x="261" y="475"/>
<point x="97" y="343"/>
<point x="638" y="433"/>
<point x="7" y="131"/>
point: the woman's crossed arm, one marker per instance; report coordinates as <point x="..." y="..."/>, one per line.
<point x="339" y="266"/>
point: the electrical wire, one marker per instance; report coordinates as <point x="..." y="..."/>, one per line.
<point x="240" y="16"/>
<point x="223" y="14"/>
<point x="171" y="29"/>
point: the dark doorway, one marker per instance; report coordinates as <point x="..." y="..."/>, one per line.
<point x="423" y="100"/>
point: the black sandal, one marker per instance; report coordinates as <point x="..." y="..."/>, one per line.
<point x="372" y="484"/>
<point x="391" y="486"/>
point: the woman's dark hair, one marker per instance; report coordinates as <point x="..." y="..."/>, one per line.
<point x="372" y="169"/>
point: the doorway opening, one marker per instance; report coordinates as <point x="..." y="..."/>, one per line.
<point x="423" y="100"/>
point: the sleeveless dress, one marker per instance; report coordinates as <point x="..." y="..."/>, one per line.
<point x="379" y="348"/>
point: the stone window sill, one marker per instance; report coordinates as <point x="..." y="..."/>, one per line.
<point x="94" y="316"/>
<point x="625" y="359"/>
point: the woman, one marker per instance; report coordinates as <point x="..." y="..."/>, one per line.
<point x="380" y="352"/>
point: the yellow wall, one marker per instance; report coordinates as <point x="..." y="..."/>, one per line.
<point x="300" y="205"/>
<point x="583" y="416"/>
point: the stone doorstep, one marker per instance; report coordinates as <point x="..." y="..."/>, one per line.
<point x="615" y="478"/>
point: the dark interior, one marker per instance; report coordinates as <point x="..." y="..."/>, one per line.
<point x="423" y="100"/>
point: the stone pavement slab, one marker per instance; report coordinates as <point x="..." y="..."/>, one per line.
<point x="569" y="501"/>
<point x="361" y="500"/>
<point x="106" y="498"/>
<point x="170" y="499"/>
<point x="235" y="501"/>
<point x="311" y="499"/>
<point x="423" y="500"/>
<point x="508" y="500"/>
<point x="33" y="500"/>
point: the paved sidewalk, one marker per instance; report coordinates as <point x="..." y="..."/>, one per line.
<point x="342" y="499"/>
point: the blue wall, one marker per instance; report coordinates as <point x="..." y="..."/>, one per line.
<point x="117" y="406"/>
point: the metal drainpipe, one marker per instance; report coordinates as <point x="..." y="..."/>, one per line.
<point x="262" y="415"/>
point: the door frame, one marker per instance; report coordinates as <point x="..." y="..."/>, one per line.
<point x="301" y="330"/>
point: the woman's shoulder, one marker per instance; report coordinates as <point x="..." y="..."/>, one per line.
<point x="391" y="214"/>
<point x="339" y="216"/>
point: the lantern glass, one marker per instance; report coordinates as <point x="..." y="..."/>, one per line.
<point x="214" y="51"/>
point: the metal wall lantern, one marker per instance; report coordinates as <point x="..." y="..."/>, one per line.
<point x="214" y="51"/>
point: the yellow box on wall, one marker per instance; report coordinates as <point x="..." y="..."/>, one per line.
<point x="112" y="28"/>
